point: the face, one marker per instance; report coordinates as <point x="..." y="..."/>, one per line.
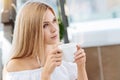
<point x="50" y="28"/>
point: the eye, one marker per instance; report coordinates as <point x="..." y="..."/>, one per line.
<point x="45" y="25"/>
<point x="54" y="20"/>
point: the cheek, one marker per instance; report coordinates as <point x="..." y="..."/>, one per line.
<point x="46" y="35"/>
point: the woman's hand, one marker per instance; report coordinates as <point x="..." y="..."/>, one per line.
<point x="53" y="59"/>
<point x="80" y="59"/>
<point x="80" y="56"/>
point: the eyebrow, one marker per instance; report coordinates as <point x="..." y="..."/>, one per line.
<point x="49" y="21"/>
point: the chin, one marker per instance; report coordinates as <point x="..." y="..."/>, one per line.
<point x="54" y="42"/>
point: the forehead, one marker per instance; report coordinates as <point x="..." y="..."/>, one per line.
<point x="49" y="16"/>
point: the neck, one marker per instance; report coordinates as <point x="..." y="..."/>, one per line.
<point x="49" y="47"/>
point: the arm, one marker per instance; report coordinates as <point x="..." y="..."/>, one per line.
<point x="45" y="76"/>
<point x="82" y="74"/>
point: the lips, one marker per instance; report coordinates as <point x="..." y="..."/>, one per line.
<point x="55" y="36"/>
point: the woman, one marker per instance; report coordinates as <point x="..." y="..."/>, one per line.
<point x="35" y="52"/>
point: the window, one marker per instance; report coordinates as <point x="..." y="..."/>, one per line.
<point x="87" y="10"/>
<point x="93" y="22"/>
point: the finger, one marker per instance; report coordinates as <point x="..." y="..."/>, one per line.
<point x="56" y="50"/>
<point x="59" y="51"/>
<point x="78" y="46"/>
<point x="52" y="56"/>
<point x="58" y="63"/>
<point x="81" y="60"/>
<point x="80" y="56"/>
<point x="79" y="52"/>
<point x="58" y="59"/>
<point x="58" y="55"/>
<point x="54" y="64"/>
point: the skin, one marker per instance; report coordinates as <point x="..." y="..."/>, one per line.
<point x="52" y="52"/>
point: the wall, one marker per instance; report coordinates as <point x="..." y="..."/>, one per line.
<point x="103" y="62"/>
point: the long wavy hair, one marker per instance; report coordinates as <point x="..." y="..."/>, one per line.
<point x="28" y="38"/>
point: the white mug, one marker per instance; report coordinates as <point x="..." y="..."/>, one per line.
<point x="68" y="50"/>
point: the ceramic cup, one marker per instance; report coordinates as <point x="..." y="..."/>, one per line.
<point x="69" y="50"/>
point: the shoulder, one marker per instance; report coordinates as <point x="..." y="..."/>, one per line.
<point x="14" y="65"/>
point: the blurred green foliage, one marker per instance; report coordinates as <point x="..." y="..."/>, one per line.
<point x="61" y="28"/>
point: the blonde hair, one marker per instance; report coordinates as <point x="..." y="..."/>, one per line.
<point x="28" y="38"/>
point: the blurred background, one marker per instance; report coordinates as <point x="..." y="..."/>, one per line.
<point x="94" y="24"/>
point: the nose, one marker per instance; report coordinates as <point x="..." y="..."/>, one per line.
<point x="53" y="28"/>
